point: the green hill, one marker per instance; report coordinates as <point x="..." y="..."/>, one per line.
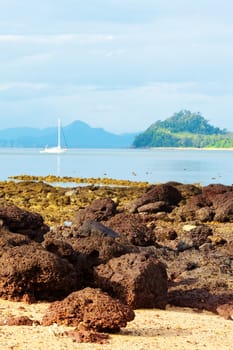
<point x="184" y="129"/>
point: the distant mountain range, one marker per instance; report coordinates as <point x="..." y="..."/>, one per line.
<point x="75" y="135"/>
<point x="182" y="129"/>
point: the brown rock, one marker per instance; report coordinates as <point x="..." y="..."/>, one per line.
<point x="193" y="208"/>
<point x="133" y="228"/>
<point x="139" y="280"/>
<point x="154" y="207"/>
<point x="61" y="248"/>
<point x="158" y="193"/>
<point x="212" y="190"/>
<point x="223" y="205"/>
<point x="86" y="247"/>
<point x="31" y="270"/>
<point x="9" y="240"/>
<point x="98" y="241"/>
<point x="99" y="210"/>
<point x="24" y="222"/>
<point x="93" y="308"/>
<point x="195" y="238"/>
<point x="18" y="321"/>
<point x="165" y="233"/>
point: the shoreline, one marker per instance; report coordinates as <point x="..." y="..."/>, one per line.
<point x="192" y="148"/>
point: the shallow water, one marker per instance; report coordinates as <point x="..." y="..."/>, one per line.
<point x="152" y="165"/>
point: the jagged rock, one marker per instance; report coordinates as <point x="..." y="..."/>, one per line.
<point x="201" y="279"/>
<point x="200" y="234"/>
<point x="186" y="190"/>
<point x="91" y="244"/>
<point x="211" y="191"/>
<point x="157" y="193"/>
<point x="214" y="203"/>
<point x="223" y="205"/>
<point x="24" y="222"/>
<point x="139" y="280"/>
<point x="133" y="228"/>
<point x="93" y="308"/>
<point x="194" y="238"/>
<point x="99" y="210"/>
<point x="96" y="242"/>
<point x="31" y="270"/>
<point x="191" y="209"/>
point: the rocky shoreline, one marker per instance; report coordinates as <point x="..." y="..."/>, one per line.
<point x="97" y="253"/>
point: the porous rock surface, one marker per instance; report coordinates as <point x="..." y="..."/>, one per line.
<point x="100" y="209"/>
<point x="93" y="308"/>
<point x="164" y="193"/>
<point x="94" y="240"/>
<point x="27" y="269"/>
<point x="138" y="280"/>
<point x="22" y="221"/>
<point x="132" y="228"/>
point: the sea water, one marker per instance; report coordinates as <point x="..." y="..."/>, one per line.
<point x="151" y="165"/>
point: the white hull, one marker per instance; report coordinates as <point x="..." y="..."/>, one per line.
<point x="57" y="149"/>
<point x="53" y="150"/>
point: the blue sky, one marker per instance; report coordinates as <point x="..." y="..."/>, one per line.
<point x="116" y="64"/>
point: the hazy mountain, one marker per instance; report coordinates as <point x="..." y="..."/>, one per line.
<point x="75" y="135"/>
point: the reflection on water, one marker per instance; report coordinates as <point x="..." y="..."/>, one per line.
<point x="58" y="165"/>
<point x="151" y="165"/>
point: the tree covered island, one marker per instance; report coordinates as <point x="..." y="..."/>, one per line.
<point x="184" y="129"/>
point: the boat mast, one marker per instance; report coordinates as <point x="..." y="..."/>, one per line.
<point x="59" y="134"/>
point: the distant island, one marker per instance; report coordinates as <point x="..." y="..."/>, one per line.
<point x="184" y="129"/>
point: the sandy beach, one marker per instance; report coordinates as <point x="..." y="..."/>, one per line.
<point x="173" y="328"/>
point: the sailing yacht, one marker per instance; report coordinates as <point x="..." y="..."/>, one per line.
<point x="57" y="149"/>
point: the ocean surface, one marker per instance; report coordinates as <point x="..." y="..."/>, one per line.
<point x="151" y="165"/>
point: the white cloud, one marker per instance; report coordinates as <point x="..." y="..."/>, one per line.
<point x="22" y="85"/>
<point x="56" y="39"/>
<point x="116" y="64"/>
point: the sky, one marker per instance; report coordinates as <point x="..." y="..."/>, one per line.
<point x="120" y="65"/>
